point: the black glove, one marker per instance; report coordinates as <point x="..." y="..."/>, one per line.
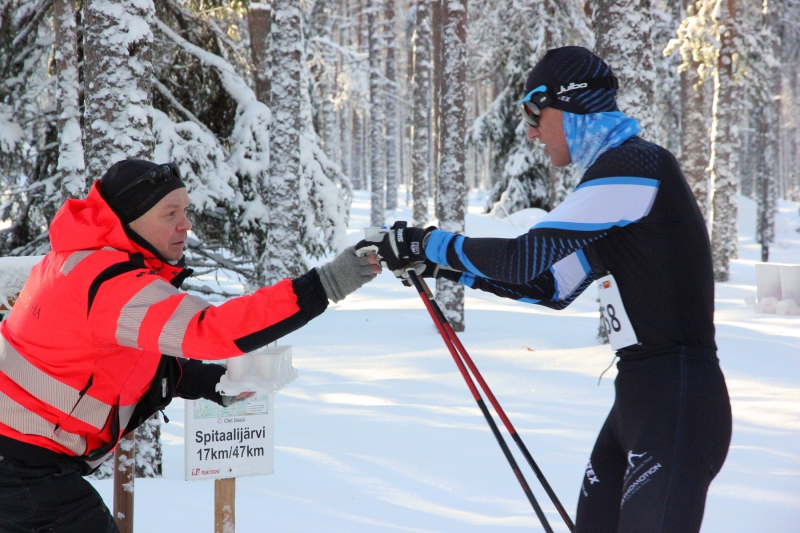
<point x="399" y="247"/>
<point x="199" y="380"/>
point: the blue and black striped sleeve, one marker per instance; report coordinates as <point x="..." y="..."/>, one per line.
<point x="555" y="288"/>
<point x="589" y="213"/>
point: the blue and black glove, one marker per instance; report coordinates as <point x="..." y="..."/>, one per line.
<point x="399" y="247"/>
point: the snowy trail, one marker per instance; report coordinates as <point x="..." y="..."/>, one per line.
<point x="379" y="432"/>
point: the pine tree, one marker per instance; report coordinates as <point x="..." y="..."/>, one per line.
<point x="357" y="107"/>
<point x="789" y="185"/>
<point x="220" y="140"/>
<point x="391" y="106"/>
<point x="503" y="53"/>
<point x="259" y="23"/>
<point x="421" y="114"/>
<point x="696" y="96"/>
<point x="376" y="134"/>
<point x="118" y="73"/>
<point x="284" y="251"/>
<point x="28" y="128"/>
<point x="322" y="59"/>
<point x="71" y="165"/>
<point x="435" y="140"/>
<point x="624" y="33"/>
<point x="452" y="197"/>
<point x="766" y="180"/>
<point x="148" y="448"/>
<point x="667" y="16"/>
<point x="118" y="79"/>
<point x="724" y="145"/>
<point x="733" y="43"/>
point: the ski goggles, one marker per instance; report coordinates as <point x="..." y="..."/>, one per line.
<point x="542" y="96"/>
<point x="156" y="176"/>
<point x="531" y="106"/>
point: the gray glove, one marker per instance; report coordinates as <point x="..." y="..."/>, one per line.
<point x="345" y="274"/>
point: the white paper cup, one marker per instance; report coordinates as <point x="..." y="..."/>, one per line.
<point x="267" y="365"/>
<point x="240" y="367"/>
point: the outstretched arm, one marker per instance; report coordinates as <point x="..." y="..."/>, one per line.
<point x="555" y="288"/>
<point x="589" y="213"/>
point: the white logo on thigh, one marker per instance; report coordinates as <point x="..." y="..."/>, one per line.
<point x="631" y="457"/>
<point x="591" y="476"/>
<point x="639" y="473"/>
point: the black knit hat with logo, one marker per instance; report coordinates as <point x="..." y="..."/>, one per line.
<point x="577" y="80"/>
<point x="139" y="199"/>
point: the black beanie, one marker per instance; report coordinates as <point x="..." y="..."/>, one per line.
<point x="575" y="65"/>
<point x="139" y="199"/>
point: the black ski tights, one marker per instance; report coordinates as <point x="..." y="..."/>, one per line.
<point x="663" y="442"/>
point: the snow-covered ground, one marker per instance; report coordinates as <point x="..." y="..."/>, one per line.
<point x="379" y="432"/>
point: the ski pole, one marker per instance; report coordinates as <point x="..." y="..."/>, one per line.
<point x="509" y="426"/>
<point x="439" y="320"/>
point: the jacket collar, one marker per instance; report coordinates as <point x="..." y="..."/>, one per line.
<point x="90" y="224"/>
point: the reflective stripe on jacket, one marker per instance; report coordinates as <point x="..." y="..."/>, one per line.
<point x="83" y="342"/>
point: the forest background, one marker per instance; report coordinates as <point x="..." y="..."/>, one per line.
<point x="277" y="112"/>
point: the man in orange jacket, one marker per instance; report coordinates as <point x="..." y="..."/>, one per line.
<point x="101" y="338"/>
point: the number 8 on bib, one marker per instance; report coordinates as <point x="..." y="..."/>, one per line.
<point x="618" y="325"/>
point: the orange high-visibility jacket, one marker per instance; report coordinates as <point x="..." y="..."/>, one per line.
<point x="82" y="343"/>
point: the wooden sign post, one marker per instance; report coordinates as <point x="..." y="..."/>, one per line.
<point x="223" y="443"/>
<point x="124" y="476"/>
<point x="225" y="505"/>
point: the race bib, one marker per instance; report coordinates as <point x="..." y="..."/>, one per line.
<point x="618" y="325"/>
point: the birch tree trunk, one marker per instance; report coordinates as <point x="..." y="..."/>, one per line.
<point x="345" y="148"/>
<point x="724" y="147"/>
<point x="377" y="213"/>
<point x="421" y="120"/>
<point x="436" y="99"/>
<point x="452" y="198"/>
<point x="767" y="181"/>
<point x="71" y="165"/>
<point x="695" y="111"/>
<point x="391" y="108"/>
<point x="623" y="31"/>
<point x="326" y="24"/>
<point x="259" y="20"/>
<point x="408" y="107"/>
<point x="357" y="150"/>
<point x="118" y="71"/>
<point x="283" y="256"/>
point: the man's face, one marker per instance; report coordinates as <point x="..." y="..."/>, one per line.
<point x="550" y="134"/>
<point x="165" y="226"/>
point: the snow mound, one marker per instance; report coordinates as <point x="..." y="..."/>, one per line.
<point x="14" y="271"/>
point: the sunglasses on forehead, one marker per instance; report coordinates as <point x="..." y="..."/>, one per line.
<point x="156" y="175"/>
<point x="542" y="96"/>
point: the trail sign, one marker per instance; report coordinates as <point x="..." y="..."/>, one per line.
<point x="234" y="441"/>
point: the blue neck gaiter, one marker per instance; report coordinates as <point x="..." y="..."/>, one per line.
<point x="588" y="136"/>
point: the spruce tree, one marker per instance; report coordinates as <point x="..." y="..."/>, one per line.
<point x="452" y="197"/>
<point x="421" y="114"/>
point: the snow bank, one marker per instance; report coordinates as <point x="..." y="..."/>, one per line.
<point x="14" y="272"/>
